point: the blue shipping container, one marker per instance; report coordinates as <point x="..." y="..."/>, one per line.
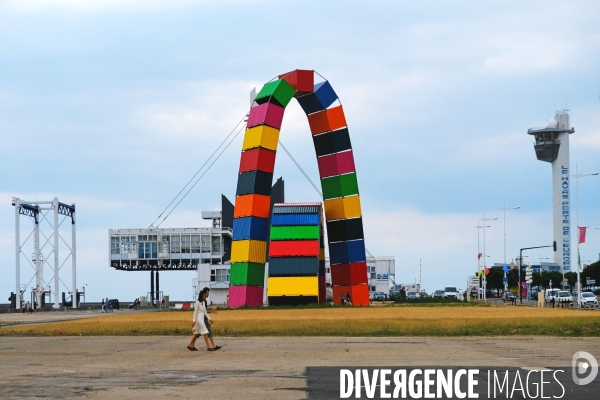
<point x="294" y="219"/>
<point x="338" y="253"/>
<point x="356" y="251"/>
<point x="325" y="94"/>
<point x="254" y="228"/>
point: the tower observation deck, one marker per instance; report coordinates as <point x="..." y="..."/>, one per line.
<point x="552" y="145"/>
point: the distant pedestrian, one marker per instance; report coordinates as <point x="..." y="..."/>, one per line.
<point x="29" y="310"/>
<point x="35" y="307"/>
<point x="162" y="303"/>
<point x="208" y="324"/>
<point x="198" y="327"/>
<point x="348" y="299"/>
<point x="102" y="304"/>
<point x="23" y="306"/>
<point x="342" y="299"/>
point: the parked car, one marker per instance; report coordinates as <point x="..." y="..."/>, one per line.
<point x="378" y="296"/>
<point x="588" y="299"/>
<point x="413" y="295"/>
<point x="450" y="292"/>
<point x="550" y="295"/>
<point x="395" y="295"/>
<point x="438" y="294"/>
<point x="114" y="303"/>
<point x="564" y="297"/>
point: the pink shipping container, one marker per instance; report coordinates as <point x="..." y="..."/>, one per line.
<point x="336" y="164"/>
<point x="251" y="296"/>
<point x="266" y="114"/>
<point x="327" y="166"/>
<point x="345" y="162"/>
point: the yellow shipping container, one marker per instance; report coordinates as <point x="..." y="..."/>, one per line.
<point x="261" y="136"/>
<point x="352" y="207"/>
<point x="334" y="209"/>
<point x="249" y="251"/>
<point x="293" y="286"/>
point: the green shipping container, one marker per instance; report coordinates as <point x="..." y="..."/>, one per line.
<point x="247" y="273"/>
<point x="295" y="232"/>
<point x="339" y="186"/>
<point x="279" y="89"/>
<point x="349" y="184"/>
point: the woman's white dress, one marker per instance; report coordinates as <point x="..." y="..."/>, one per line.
<point x="198" y="319"/>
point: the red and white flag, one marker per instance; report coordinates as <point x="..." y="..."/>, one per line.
<point x="486" y="270"/>
<point x="479" y="256"/>
<point x="582" y="230"/>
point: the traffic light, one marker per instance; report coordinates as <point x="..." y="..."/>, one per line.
<point x="528" y="274"/>
<point x="554" y="245"/>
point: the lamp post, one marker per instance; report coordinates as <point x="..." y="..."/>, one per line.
<point x="479" y="252"/>
<point x="578" y="176"/>
<point x="484" y="219"/>
<point x="504" y="210"/>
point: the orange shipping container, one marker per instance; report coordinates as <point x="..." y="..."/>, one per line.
<point x="334" y="209"/>
<point x="327" y="120"/>
<point x="256" y="205"/>
<point x="359" y="294"/>
<point x="352" y="207"/>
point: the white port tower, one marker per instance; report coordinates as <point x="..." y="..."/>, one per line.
<point x="48" y="212"/>
<point x="552" y="145"/>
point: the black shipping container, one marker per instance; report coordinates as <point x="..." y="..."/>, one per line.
<point x="345" y="229"/>
<point x="293" y="266"/>
<point x="295" y="209"/>
<point x="254" y="182"/>
<point x="323" y="144"/>
<point x="341" y="140"/>
<point x="310" y="103"/>
<point x="292" y="300"/>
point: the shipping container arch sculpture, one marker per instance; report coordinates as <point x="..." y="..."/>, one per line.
<point x="338" y="181"/>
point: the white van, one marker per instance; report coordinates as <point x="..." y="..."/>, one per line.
<point x="450" y="292"/>
<point x="550" y="295"/>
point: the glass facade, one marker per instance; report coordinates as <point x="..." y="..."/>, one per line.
<point x="219" y="275"/>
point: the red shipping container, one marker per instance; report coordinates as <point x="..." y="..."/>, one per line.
<point x="345" y="162"/>
<point x="302" y="80"/>
<point x="294" y="248"/>
<point x="322" y="296"/>
<point x="359" y="294"/>
<point x="327" y="120"/>
<point x="251" y="296"/>
<point x="322" y="283"/>
<point x="266" y="114"/>
<point x="328" y="165"/>
<point x="340" y="274"/>
<point x="258" y="158"/>
<point x="358" y="273"/>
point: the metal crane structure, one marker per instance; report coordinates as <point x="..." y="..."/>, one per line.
<point x="49" y="212"/>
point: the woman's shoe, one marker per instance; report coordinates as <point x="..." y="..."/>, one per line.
<point x="210" y="349"/>
<point x="191" y="348"/>
<point x="217" y="347"/>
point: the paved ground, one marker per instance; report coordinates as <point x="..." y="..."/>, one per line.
<point x="251" y="368"/>
<point x="11" y="319"/>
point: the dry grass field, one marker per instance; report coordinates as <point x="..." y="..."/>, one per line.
<point x="372" y="321"/>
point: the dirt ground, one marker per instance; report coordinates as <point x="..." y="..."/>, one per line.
<point x="251" y="368"/>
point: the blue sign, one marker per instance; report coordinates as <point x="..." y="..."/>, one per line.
<point x="505" y="280"/>
<point x="505" y="269"/>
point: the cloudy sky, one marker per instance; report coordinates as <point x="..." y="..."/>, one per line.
<point x="114" y="105"/>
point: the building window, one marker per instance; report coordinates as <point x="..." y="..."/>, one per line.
<point x="164" y="245"/>
<point x="114" y="245"/>
<point x="195" y="246"/>
<point x="216" y="244"/>
<point x="185" y="243"/>
<point x="205" y="243"/>
<point x="148" y="250"/>
<point x="219" y="275"/>
<point x="176" y="244"/>
<point x="373" y="289"/>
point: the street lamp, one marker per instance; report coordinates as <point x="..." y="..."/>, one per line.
<point x="504" y="210"/>
<point x="578" y="176"/>
<point x="484" y="219"/>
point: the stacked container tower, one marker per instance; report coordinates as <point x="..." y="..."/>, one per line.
<point x="296" y="255"/>
<point x="337" y="171"/>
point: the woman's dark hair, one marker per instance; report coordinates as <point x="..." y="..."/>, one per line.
<point x="202" y="292"/>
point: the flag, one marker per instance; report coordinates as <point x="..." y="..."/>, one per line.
<point x="479" y="273"/>
<point x="479" y="256"/>
<point x="582" y="230"/>
<point x="486" y="270"/>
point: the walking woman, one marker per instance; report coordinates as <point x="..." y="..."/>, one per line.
<point x="198" y="327"/>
